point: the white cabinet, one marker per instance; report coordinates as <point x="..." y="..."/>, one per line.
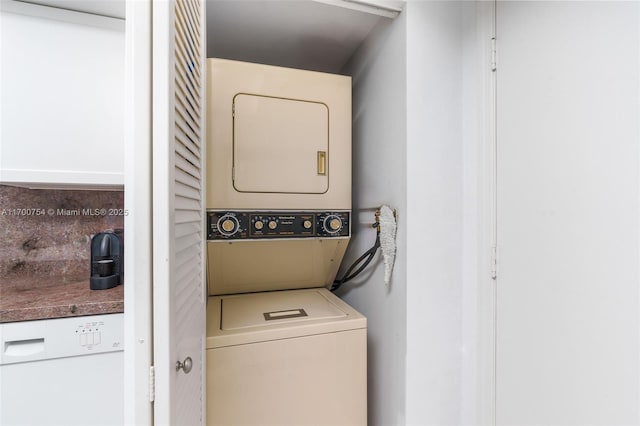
<point x="62" y="97"/>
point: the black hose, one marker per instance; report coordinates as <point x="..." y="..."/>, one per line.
<point x="367" y="257"/>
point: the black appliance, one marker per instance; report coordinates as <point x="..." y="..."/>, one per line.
<point x="107" y="257"/>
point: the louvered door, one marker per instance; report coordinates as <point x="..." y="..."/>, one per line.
<point x="178" y="217"/>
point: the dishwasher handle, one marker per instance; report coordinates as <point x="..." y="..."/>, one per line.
<point x="23" y="348"/>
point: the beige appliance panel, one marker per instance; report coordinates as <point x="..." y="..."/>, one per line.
<point x="311" y="380"/>
<point x="289" y="370"/>
<point x="251" y="266"/>
<point x="288" y="145"/>
<point x="275" y="139"/>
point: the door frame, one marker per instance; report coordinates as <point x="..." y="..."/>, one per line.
<point x="138" y="293"/>
<point x="487" y="210"/>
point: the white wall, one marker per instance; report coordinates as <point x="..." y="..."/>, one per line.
<point x="416" y="131"/>
<point x="434" y="212"/>
<point x="379" y="177"/>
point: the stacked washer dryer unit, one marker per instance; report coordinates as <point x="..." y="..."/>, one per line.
<point x="281" y="348"/>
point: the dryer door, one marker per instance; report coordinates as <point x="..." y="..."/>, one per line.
<point x="280" y="145"/>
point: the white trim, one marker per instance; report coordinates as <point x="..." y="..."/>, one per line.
<point x="64" y="15"/>
<point x="638" y="94"/>
<point x="382" y="8"/>
<point x="59" y="179"/>
<point x="163" y="210"/>
<point x="203" y="154"/>
<point x="137" y="200"/>
<point x="488" y="220"/>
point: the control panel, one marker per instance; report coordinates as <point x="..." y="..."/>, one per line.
<point x="25" y="341"/>
<point x="90" y="333"/>
<point x="223" y="225"/>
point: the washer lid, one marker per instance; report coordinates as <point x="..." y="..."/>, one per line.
<point x="258" y="317"/>
<point x="267" y="309"/>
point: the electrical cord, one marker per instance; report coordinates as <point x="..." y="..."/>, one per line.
<point x="367" y="257"/>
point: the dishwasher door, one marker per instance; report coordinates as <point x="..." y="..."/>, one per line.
<point x="66" y="371"/>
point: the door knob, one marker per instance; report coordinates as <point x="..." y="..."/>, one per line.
<point x="185" y="365"/>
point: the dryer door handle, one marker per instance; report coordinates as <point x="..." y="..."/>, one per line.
<point x="322" y="163"/>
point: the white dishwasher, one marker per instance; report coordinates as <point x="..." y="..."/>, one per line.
<point x="65" y="371"/>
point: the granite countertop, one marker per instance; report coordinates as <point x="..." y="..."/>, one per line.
<point x="34" y="298"/>
<point x="46" y="251"/>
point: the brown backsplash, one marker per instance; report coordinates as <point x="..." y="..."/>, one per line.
<point x="46" y="232"/>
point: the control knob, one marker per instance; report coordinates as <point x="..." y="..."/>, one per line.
<point x="332" y="224"/>
<point x="228" y="225"/>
